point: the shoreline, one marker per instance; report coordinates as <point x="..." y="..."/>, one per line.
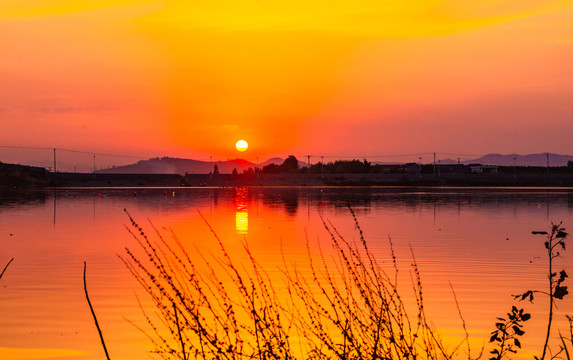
<point x="84" y="180"/>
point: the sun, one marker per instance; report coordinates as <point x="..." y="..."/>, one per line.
<point x="242" y="145"/>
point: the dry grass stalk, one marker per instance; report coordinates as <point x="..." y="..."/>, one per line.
<point x="6" y="267"/>
<point x="346" y="307"/>
<point x="94" y="315"/>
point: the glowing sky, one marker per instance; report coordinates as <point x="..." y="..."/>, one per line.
<point x="359" y="78"/>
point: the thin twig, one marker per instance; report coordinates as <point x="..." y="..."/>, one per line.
<point x="6" y="267"/>
<point x="467" y="336"/>
<point x="554" y="230"/>
<point x="94" y="315"/>
<point x="179" y="331"/>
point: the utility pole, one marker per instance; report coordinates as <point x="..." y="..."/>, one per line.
<point x="55" y="160"/>
<point x="94" y="164"/>
<point x="434" y="164"/>
<point x="322" y="167"/>
<point x="514" y="171"/>
<point x="547" y="155"/>
<point x="308" y="164"/>
<point x="420" y="167"/>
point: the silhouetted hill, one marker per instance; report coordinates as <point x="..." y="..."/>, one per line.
<point x="14" y="176"/>
<point x="275" y="160"/>
<point x="168" y="165"/>
<point x="523" y="160"/>
<point x="503" y="160"/>
<point x="279" y="161"/>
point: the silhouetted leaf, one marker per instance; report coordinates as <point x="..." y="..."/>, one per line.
<point x="561" y="234"/>
<point x="517" y="343"/>
<point x="562" y="276"/>
<point x="493" y="337"/>
<point x="547" y="244"/>
<point x="539" y="232"/>
<point x="526" y="317"/>
<point x="560" y="292"/>
<point x="528" y="293"/>
<point x="517" y="330"/>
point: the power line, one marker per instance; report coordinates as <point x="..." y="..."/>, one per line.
<point x="321" y="156"/>
<point x="367" y="156"/>
<point x="70" y="150"/>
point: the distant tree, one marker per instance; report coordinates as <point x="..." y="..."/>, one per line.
<point x="570" y="164"/>
<point x="235" y="172"/>
<point x="343" y="167"/>
<point x="249" y="171"/>
<point x="215" y="169"/>
<point x="271" y="169"/>
<point x="290" y="164"/>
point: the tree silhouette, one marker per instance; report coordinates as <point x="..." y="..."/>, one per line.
<point x="290" y="164"/>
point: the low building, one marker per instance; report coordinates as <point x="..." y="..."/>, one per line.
<point x="483" y="169"/>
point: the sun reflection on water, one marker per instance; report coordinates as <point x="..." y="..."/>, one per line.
<point x="241" y="212"/>
<point x="242" y="222"/>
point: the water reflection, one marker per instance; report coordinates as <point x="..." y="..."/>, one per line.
<point x="242" y="212"/>
<point x="476" y="238"/>
<point x="289" y="200"/>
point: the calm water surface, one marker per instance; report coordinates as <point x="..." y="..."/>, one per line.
<point x="479" y="240"/>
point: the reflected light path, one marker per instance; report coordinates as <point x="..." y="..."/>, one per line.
<point x="242" y="212"/>
<point x="242" y="222"/>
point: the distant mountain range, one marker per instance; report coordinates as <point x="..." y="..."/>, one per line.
<point x="520" y="160"/>
<point x="168" y="165"/>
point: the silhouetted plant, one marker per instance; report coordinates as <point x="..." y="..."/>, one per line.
<point x="6" y="267"/>
<point x="211" y="311"/>
<point x="507" y="333"/>
<point x="554" y="244"/>
<point x="352" y="308"/>
<point x="93" y="314"/>
<point x="566" y="342"/>
<point x="345" y="308"/>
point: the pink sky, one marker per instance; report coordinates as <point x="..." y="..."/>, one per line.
<point x="167" y="78"/>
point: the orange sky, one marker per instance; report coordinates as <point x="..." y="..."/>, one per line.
<point x="334" y="78"/>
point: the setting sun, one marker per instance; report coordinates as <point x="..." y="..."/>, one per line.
<point x="242" y="145"/>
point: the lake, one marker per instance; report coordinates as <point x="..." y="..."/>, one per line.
<point x="477" y="240"/>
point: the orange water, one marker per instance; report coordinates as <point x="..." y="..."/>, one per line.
<point x="478" y="240"/>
